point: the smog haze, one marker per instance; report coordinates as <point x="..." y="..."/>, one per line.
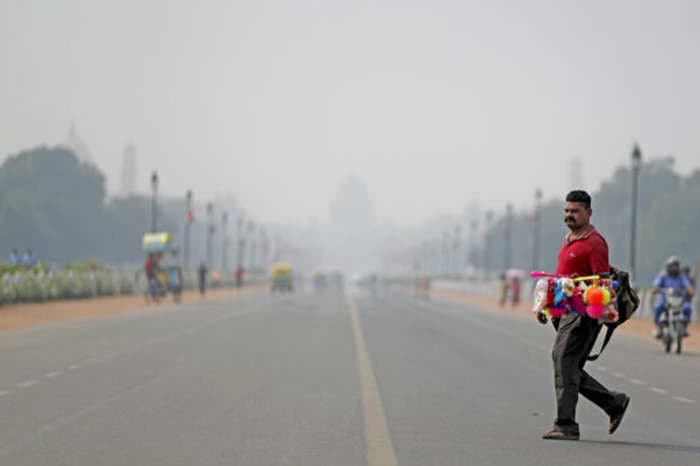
<point x="433" y="105"/>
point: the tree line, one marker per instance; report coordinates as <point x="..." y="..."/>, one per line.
<point x="56" y="205"/>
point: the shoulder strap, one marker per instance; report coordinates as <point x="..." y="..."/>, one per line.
<point x="608" y="334"/>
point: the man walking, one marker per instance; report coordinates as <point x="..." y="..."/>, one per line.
<point x="584" y="252"/>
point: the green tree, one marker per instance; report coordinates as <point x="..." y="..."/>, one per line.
<point x="51" y="202"/>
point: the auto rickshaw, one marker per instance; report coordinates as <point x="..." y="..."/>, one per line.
<point x="168" y="276"/>
<point x="281" y="277"/>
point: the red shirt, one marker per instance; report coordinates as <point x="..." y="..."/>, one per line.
<point x="586" y="255"/>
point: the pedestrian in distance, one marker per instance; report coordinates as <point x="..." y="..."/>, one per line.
<point x="515" y="291"/>
<point x="584" y="252"/>
<point x="15" y="258"/>
<point x="29" y="259"/>
<point x="502" y="290"/>
<point x="239" y="277"/>
<point x="202" y="279"/>
<point x="150" y="268"/>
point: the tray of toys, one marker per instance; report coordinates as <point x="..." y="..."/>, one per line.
<point x="557" y="295"/>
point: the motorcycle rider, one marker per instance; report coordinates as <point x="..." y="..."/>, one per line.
<point x="672" y="278"/>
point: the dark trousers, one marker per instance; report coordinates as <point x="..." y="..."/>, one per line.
<point x="576" y="336"/>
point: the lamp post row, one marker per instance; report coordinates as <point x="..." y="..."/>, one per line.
<point x="211" y="229"/>
<point x="636" y="165"/>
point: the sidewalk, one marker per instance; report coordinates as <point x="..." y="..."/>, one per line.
<point x="638" y="327"/>
<point x="29" y="314"/>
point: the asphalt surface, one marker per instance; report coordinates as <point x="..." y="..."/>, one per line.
<point x="383" y="378"/>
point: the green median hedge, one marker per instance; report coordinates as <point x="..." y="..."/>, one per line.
<point x="19" y="284"/>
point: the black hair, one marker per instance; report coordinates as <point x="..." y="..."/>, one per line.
<point x="579" y="196"/>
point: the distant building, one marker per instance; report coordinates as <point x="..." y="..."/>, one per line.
<point x="76" y="144"/>
<point x="351" y="242"/>
<point x="352" y="207"/>
<point x="129" y="171"/>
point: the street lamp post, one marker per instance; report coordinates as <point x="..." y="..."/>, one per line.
<point x="508" y="237"/>
<point x="154" y="202"/>
<point x="456" y="241"/>
<point x="189" y="218"/>
<point x="473" y="257"/>
<point x="241" y="241"/>
<point x="253" y="245"/>
<point x="437" y="257"/>
<point x="263" y="248"/>
<point x="636" y="165"/>
<point x="210" y="232"/>
<point x="487" y="243"/>
<point x="445" y="254"/>
<point x="536" y="230"/>
<point x="224" y="242"/>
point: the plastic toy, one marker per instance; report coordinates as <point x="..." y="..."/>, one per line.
<point x="556" y="295"/>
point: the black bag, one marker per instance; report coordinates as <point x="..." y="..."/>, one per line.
<point x="626" y="302"/>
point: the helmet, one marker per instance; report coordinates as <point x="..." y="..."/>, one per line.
<point x="673" y="266"/>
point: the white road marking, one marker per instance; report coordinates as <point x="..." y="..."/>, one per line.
<point x="617" y="374"/>
<point x="601" y="368"/>
<point x="4" y="392"/>
<point x="27" y="383"/>
<point x="637" y="382"/>
<point x="683" y="399"/>
<point x="74" y="367"/>
<point x="660" y="391"/>
<point x="53" y="374"/>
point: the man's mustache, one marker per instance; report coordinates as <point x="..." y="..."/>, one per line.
<point x="569" y="218"/>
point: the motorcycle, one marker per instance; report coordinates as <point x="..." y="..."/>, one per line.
<point x="671" y="322"/>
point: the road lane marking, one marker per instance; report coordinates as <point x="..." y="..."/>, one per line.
<point x="54" y="374"/>
<point x="619" y="375"/>
<point x="601" y="368"/>
<point x="660" y="391"/>
<point x="683" y="399"/>
<point x="74" y="367"/>
<point x="637" y="382"/>
<point x="380" y="451"/>
<point x="27" y="383"/>
<point x="4" y="392"/>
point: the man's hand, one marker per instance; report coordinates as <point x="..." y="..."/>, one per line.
<point x="542" y="318"/>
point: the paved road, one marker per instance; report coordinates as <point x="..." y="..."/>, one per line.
<point x="325" y="380"/>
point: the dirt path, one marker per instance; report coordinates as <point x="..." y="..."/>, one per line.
<point x="636" y="327"/>
<point x="28" y="314"/>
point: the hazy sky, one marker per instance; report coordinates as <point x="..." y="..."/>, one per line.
<point x="433" y="103"/>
